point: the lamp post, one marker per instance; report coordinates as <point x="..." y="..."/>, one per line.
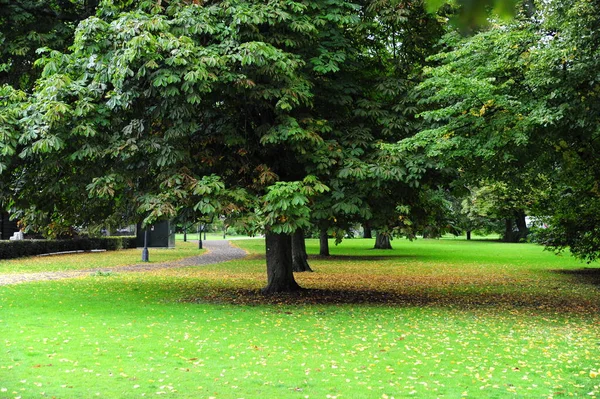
<point x="145" y="254"/>
<point x="200" y="228"/>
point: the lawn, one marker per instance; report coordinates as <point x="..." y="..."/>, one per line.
<point x="97" y="260"/>
<point x="431" y="318"/>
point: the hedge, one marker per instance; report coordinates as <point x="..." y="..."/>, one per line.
<point x="22" y="248"/>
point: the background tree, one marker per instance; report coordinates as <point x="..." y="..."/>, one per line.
<point x="469" y="213"/>
<point x="517" y="100"/>
<point x="369" y="103"/>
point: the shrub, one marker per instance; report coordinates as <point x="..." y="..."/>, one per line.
<point x="22" y="248"/>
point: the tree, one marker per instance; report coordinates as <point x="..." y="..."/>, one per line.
<point x="472" y="211"/>
<point x="26" y="25"/>
<point x="176" y="102"/>
<point x="516" y="100"/>
<point x="299" y="255"/>
<point x="498" y="201"/>
<point x="568" y="115"/>
<point x="368" y="103"/>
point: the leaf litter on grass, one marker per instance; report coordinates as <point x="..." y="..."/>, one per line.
<point x="202" y="332"/>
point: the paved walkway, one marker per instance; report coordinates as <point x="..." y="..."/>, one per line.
<point x="218" y="251"/>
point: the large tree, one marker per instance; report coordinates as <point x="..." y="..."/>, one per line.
<point x="172" y="102"/>
<point x="237" y="105"/>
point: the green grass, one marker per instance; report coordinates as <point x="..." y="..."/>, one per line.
<point x="432" y="318"/>
<point x="95" y="260"/>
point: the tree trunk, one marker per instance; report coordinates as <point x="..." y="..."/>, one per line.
<point x="468" y="234"/>
<point x="184" y="235"/>
<point x="367" y="233"/>
<point x="516" y="228"/>
<point x="299" y="255"/>
<point x="323" y="243"/>
<point x="383" y="241"/>
<point x="508" y="231"/>
<point x="280" y="276"/>
<point x="523" y="230"/>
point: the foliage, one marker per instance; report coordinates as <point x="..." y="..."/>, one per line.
<point x="515" y="104"/>
<point x="26" y="25"/>
<point x="133" y="121"/>
<point x="285" y="207"/>
<point x="498" y="207"/>
<point x="473" y="15"/>
<point x="367" y="104"/>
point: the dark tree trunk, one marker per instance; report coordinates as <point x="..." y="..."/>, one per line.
<point x="383" y="241"/>
<point x="516" y="228"/>
<point x="367" y="233"/>
<point x="323" y="242"/>
<point x="468" y="234"/>
<point x="184" y="235"/>
<point x="280" y="276"/>
<point x="508" y="231"/>
<point x="299" y="255"/>
<point x="523" y="230"/>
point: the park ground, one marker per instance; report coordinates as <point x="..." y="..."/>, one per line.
<point x="431" y="318"/>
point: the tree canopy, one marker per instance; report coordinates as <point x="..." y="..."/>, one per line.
<point x="518" y="102"/>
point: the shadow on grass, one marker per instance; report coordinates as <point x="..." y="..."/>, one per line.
<point x="534" y="303"/>
<point x="362" y="257"/>
<point x="586" y="275"/>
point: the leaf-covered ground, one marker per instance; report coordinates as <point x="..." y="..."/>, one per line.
<point x="428" y="319"/>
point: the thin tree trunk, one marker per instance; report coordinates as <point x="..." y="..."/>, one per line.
<point x="382" y="241"/>
<point x="299" y="255"/>
<point x="323" y="242"/>
<point x="468" y="234"/>
<point x="280" y="276"/>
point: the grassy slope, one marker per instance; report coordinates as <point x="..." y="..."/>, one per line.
<point x="430" y="319"/>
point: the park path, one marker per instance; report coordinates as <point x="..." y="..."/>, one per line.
<point x="218" y="251"/>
